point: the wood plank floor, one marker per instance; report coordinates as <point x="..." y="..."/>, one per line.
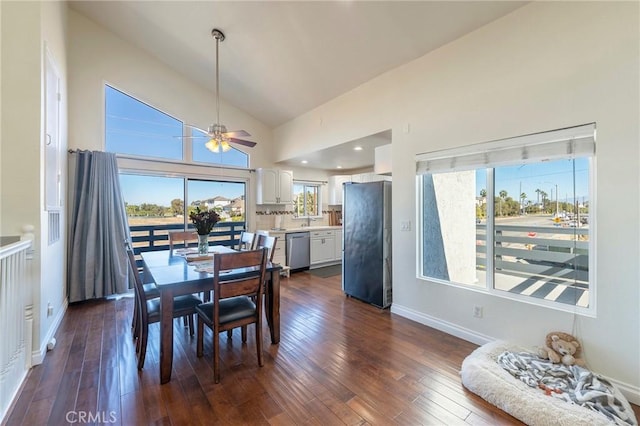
<point x="340" y="361"/>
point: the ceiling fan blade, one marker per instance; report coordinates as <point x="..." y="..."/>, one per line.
<point x="197" y="128"/>
<point x="236" y="133"/>
<point x="242" y="142"/>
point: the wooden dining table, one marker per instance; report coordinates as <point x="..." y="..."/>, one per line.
<point x="174" y="276"/>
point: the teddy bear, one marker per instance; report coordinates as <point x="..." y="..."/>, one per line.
<point x="561" y="347"/>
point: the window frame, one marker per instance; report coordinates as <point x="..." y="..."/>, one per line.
<point x="489" y="287"/>
<point x="318" y="187"/>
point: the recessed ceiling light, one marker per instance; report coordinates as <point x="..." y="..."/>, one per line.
<point x="304" y="161"/>
<point x="338" y="167"/>
<point x="357" y="148"/>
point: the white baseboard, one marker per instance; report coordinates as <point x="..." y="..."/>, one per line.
<point x="632" y="393"/>
<point x="37" y="356"/>
<point x="438" y="324"/>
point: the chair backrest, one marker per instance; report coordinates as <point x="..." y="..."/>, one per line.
<point x="249" y="284"/>
<point x="183" y="237"/>
<point x="246" y="241"/>
<point x="267" y="242"/>
<point x="137" y="281"/>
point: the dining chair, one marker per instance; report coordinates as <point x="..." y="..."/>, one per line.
<point x="233" y="302"/>
<point x="184" y="237"/>
<point x="148" y="309"/>
<point x="246" y="241"/>
<point x="150" y="291"/>
<point x="265" y="241"/>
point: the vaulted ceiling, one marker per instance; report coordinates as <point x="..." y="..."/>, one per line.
<point x="283" y="58"/>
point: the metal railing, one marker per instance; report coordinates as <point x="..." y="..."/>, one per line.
<point x="530" y="254"/>
<point x="156" y="237"/>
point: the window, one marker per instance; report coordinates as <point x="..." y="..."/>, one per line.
<point x="512" y="217"/>
<point x="137" y="129"/>
<point x="155" y="205"/>
<point x="306" y="200"/>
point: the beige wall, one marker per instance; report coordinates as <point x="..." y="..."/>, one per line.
<point x="26" y="28"/>
<point x="547" y="65"/>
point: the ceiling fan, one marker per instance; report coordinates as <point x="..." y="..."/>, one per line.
<point x="219" y="137"/>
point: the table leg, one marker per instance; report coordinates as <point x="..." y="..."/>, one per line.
<point x="166" y="335"/>
<point x="272" y="306"/>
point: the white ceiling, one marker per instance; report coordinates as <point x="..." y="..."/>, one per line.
<point x="281" y="59"/>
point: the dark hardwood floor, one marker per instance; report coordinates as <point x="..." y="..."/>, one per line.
<point x="340" y="361"/>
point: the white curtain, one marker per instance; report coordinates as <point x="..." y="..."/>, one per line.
<point x="97" y="262"/>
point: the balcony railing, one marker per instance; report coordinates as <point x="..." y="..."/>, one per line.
<point x="539" y="261"/>
<point x="156" y="237"/>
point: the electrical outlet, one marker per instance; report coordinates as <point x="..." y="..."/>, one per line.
<point x="477" y="311"/>
<point x="405" y="225"/>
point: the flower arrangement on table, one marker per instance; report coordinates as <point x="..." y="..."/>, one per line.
<point x="203" y="221"/>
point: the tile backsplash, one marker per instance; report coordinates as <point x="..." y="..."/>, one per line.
<point x="266" y="218"/>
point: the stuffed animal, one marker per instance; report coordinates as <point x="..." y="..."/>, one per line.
<point x="561" y="347"/>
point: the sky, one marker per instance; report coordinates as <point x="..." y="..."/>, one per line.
<point x="550" y="177"/>
<point x="135" y="128"/>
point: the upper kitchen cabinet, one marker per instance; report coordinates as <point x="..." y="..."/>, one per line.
<point x="335" y="188"/>
<point x="274" y="186"/>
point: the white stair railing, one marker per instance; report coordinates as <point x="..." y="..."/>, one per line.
<point x="15" y="326"/>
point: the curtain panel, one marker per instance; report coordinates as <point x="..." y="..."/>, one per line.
<point x="98" y="228"/>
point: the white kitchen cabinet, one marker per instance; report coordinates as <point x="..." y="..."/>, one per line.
<point x="335" y="188"/>
<point x="338" y="245"/>
<point x="322" y="247"/>
<point x="274" y="186"/>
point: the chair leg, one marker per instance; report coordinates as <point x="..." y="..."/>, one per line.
<point x="229" y="334"/>
<point x="142" y="340"/>
<point x="184" y="320"/>
<point x="190" y="319"/>
<point x="244" y="334"/>
<point x="216" y="357"/>
<point x="200" y="337"/>
<point x="259" y="343"/>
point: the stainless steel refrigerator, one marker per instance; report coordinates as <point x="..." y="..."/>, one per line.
<point x="366" y="242"/>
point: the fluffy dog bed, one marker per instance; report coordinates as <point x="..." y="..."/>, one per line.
<point x="482" y="375"/>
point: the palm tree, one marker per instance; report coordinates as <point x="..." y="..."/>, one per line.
<point x="483" y="193"/>
<point x="523" y="197"/>
<point x="503" y="195"/>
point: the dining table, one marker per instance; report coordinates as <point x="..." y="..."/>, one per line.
<point x="174" y="275"/>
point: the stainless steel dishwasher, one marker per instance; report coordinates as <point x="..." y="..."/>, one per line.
<point x="297" y="250"/>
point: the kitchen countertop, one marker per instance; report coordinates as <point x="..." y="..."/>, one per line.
<point x="302" y="229"/>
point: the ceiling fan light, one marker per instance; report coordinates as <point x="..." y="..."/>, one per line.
<point x="225" y="146"/>
<point x="213" y="145"/>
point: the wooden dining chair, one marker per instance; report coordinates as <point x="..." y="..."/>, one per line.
<point x="148" y="309"/>
<point x="246" y="241"/>
<point x="182" y="237"/>
<point x="233" y="302"/>
<point x="265" y="241"/>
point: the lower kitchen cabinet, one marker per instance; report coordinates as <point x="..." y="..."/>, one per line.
<point x="325" y="247"/>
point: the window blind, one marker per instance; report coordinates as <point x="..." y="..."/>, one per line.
<point x="571" y="142"/>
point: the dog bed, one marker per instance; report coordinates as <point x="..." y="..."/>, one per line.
<point x="482" y="375"/>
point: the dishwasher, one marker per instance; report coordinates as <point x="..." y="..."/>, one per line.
<point x="297" y="250"/>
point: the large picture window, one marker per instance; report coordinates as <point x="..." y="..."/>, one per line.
<point x="157" y="205"/>
<point x="512" y="217"/>
<point x="134" y="128"/>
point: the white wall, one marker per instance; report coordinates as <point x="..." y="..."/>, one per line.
<point x="97" y="56"/>
<point x="545" y="66"/>
<point x="27" y="26"/>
